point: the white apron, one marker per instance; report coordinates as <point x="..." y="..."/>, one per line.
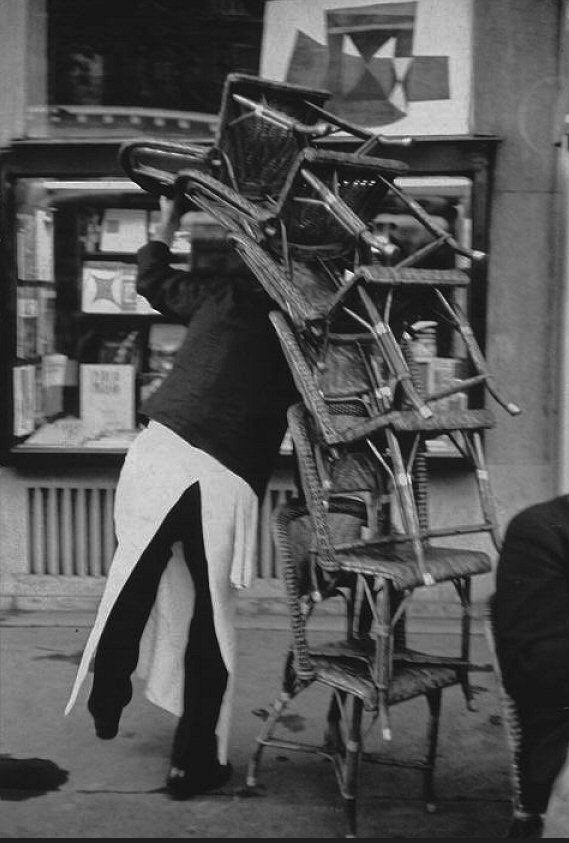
<point x="159" y="467"/>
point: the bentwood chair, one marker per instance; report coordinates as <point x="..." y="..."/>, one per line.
<point x="347" y="667"/>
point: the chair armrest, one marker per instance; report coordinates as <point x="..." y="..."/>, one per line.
<point x="312" y="487"/>
<point x="281" y="519"/>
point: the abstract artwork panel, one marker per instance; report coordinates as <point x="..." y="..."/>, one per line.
<point x="404" y="68"/>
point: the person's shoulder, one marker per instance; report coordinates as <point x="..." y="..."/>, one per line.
<point x="551" y="513"/>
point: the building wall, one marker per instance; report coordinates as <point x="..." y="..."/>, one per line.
<point x="516" y="97"/>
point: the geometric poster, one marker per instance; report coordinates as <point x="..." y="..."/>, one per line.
<point x="398" y="67"/>
<point x="110" y="287"/>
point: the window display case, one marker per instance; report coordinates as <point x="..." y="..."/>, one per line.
<point x="85" y="348"/>
<point x="81" y="349"/>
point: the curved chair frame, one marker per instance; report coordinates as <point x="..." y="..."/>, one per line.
<point x="345" y="668"/>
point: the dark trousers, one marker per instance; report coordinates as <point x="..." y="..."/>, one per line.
<point x="117" y="653"/>
<point x="545" y="738"/>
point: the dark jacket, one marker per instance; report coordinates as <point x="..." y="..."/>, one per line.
<point x="230" y="386"/>
<point x="531" y="622"/>
<point x="531" y="605"/>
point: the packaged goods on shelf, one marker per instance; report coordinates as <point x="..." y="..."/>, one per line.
<point x="110" y="287"/>
<point x="107" y="395"/>
<point x="123" y="230"/>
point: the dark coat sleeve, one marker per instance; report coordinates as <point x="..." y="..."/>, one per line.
<point x="176" y="293"/>
<point x="531" y="605"/>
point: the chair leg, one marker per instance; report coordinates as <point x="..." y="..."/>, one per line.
<point x="463" y="588"/>
<point x="351" y="767"/>
<point x="264" y="737"/>
<point x="289" y="690"/>
<point x="434" y="699"/>
<point x="334" y="742"/>
<point x="343" y="744"/>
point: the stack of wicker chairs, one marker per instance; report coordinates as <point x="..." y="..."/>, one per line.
<point x="300" y="215"/>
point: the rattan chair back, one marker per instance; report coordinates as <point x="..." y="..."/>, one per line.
<point x="255" y="149"/>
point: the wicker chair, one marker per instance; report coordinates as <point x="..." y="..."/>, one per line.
<point x="394" y="554"/>
<point x="348" y="667"/>
<point x="262" y="122"/>
<point x="262" y="126"/>
<point x="325" y="308"/>
<point x="340" y="390"/>
<point x="411" y="293"/>
<point x="324" y="208"/>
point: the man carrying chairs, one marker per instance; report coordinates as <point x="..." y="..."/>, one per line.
<point x="300" y="215"/>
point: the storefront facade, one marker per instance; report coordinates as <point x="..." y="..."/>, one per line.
<point x="505" y="139"/>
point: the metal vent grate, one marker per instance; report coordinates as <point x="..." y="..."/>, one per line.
<point x="71" y="530"/>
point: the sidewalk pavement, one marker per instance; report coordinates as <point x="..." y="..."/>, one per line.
<point x="96" y="788"/>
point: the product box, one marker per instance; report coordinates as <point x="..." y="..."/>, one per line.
<point x="27" y="319"/>
<point x="437" y="374"/>
<point x="110" y="287"/>
<point x="25" y="399"/>
<point x="34" y="245"/>
<point x="54" y="368"/>
<point x="46" y="319"/>
<point x="123" y="230"/>
<point x="107" y="396"/>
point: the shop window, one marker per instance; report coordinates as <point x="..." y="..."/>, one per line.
<point x="88" y="348"/>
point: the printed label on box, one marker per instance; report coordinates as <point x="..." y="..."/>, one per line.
<point x="107" y="396"/>
<point x="110" y="287"/>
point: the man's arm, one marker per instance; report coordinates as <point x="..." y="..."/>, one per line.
<point x="171" y="291"/>
<point x="532" y="606"/>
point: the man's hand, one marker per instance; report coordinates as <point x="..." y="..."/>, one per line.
<point x="170" y="214"/>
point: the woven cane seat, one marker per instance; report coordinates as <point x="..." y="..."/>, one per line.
<point x="328" y="200"/>
<point x="363" y="649"/>
<point x="345" y="674"/>
<point x="397" y="562"/>
<point x="257" y="151"/>
<point x="411" y="681"/>
<point x="406" y="683"/>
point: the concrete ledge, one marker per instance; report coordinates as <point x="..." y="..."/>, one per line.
<point x="71" y="601"/>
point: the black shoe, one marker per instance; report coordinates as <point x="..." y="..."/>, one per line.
<point x="106" y="727"/>
<point x="182" y="784"/>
